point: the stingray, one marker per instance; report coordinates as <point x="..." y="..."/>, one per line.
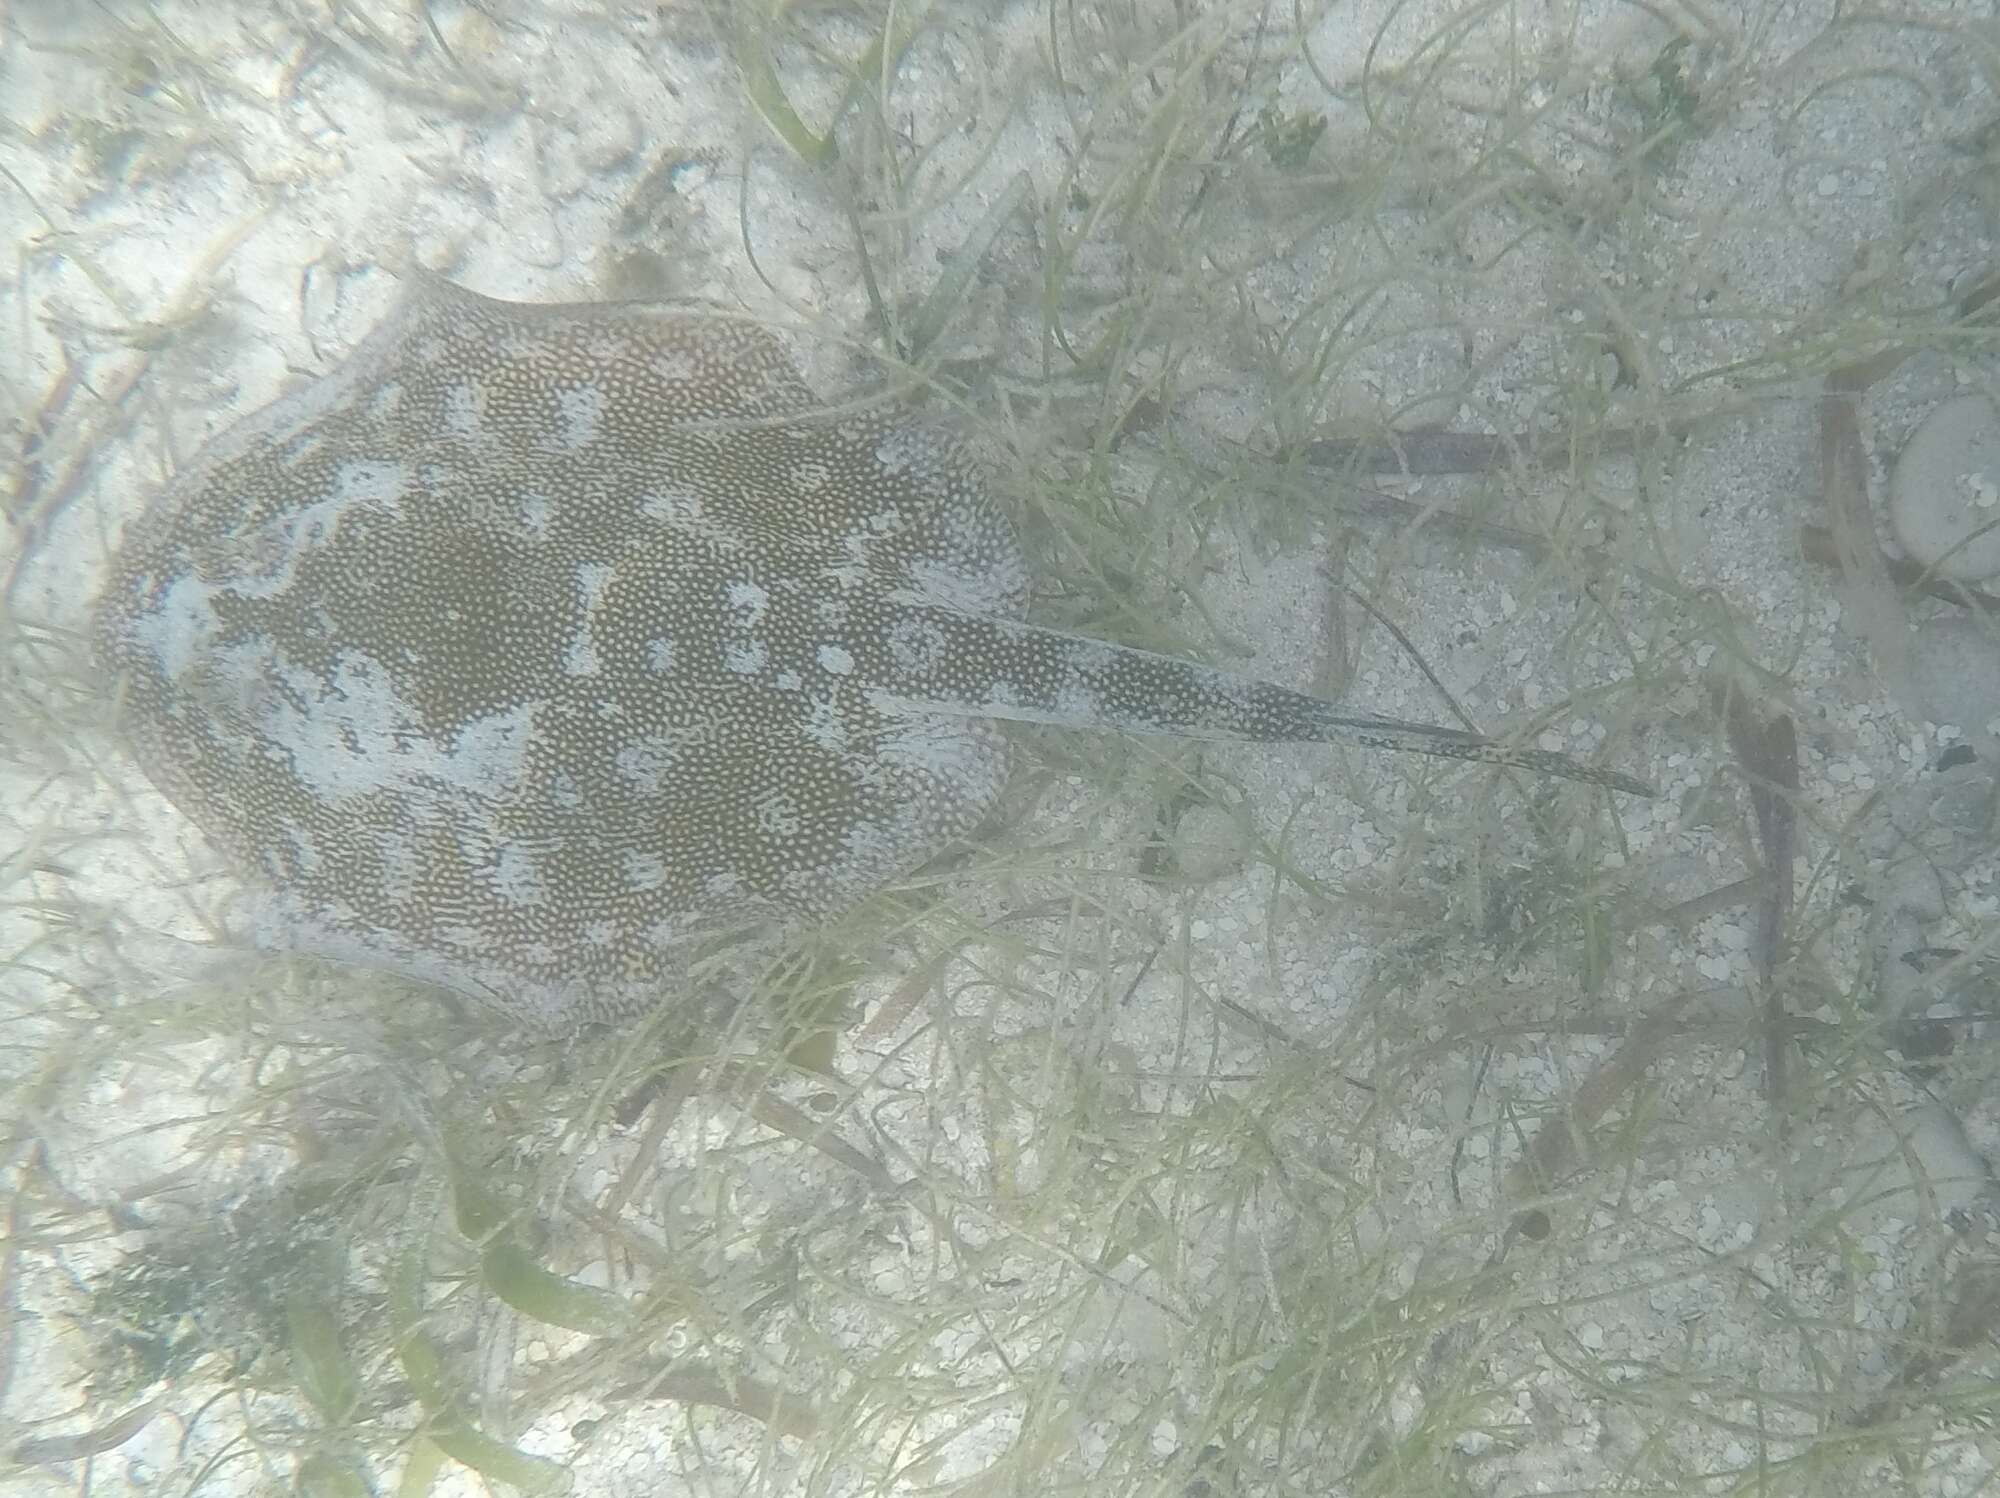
<point x="535" y="649"/>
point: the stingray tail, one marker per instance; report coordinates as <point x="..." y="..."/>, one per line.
<point x="1045" y="676"/>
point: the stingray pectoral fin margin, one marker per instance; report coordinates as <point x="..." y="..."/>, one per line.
<point x="1045" y="676"/>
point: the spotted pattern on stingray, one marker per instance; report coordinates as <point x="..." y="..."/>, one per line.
<point x="535" y="646"/>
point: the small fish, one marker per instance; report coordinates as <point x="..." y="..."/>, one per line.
<point x="534" y="649"/>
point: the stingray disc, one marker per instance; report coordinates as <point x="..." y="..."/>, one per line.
<point x="532" y="646"/>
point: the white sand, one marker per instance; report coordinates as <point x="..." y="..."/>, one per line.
<point x="1235" y="1149"/>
